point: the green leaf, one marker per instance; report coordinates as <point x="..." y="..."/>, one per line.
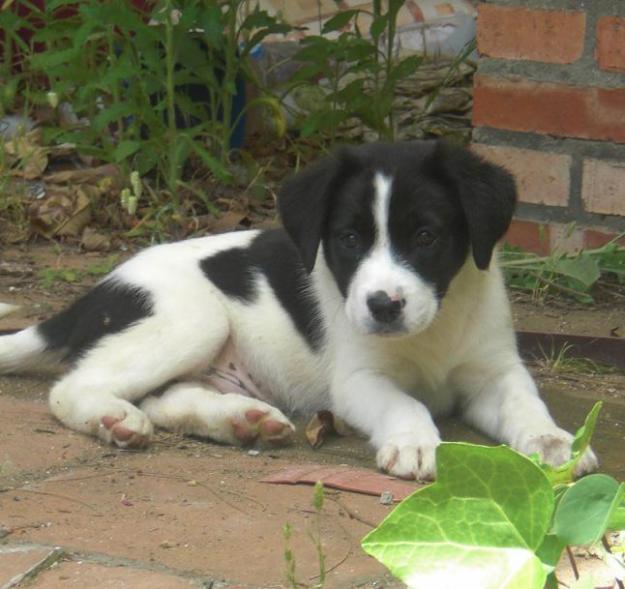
<point x="213" y="164"/>
<point x="479" y="523"/>
<point x="564" y="473"/>
<point x="584" y="434"/>
<point x="125" y="149"/>
<point x="585" y="510"/>
<point x="378" y="26"/>
<point x="338" y="21"/>
<point x="550" y="550"/>
<point x="583" y="268"/>
<point x="617" y="519"/>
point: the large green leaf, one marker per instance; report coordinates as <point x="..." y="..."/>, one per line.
<point x="585" y="510"/>
<point x="478" y="525"/>
<point x="583" y="268"/>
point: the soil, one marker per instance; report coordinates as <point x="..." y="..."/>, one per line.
<point x="190" y="513"/>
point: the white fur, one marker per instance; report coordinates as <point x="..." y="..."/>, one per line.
<point x="387" y="387"/>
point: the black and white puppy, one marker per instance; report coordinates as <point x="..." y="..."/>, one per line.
<point x="381" y="300"/>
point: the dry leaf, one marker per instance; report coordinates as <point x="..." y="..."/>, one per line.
<point x="92" y="240"/>
<point x="65" y="211"/>
<point x="91" y="175"/>
<point x="227" y="222"/>
<point x="322" y="425"/>
<point x="26" y="155"/>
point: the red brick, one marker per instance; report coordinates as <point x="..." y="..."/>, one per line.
<point x="610" y="51"/>
<point x="554" y="109"/>
<point x="541" y="177"/>
<point x="529" y="236"/>
<point x="513" y="32"/>
<point x="594" y="238"/>
<point x="603" y="186"/>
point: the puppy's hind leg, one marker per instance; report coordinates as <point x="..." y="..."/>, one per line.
<point x="196" y="409"/>
<point x="96" y="396"/>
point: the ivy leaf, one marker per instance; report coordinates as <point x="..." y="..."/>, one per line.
<point x="585" y="510"/>
<point x="563" y="474"/>
<point x="469" y="526"/>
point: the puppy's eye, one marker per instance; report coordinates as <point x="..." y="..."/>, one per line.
<point x="424" y="238"/>
<point x="349" y="240"/>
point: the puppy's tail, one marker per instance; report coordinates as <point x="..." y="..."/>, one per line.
<point x="110" y="307"/>
<point x="20" y="349"/>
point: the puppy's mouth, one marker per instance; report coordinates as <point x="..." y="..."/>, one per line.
<point x="394" y="329"/>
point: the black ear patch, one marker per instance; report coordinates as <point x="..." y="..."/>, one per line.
<point x="487" y="195"/>
<point x="305" y="199"/>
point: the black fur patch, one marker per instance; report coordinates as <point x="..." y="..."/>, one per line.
<point x="108" y="308"/>
<point x="273" y="255"/>
<point x="231" y="272"/>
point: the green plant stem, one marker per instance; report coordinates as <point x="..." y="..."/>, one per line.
<point x="533" y="260"/>
<point x="229" y="80"/>
<point x="390" y="42"/>
<point x="172" y="173"/>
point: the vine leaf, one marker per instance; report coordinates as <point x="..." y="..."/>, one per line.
<point x="583" y="514"/>
<point x="478" y="525"/>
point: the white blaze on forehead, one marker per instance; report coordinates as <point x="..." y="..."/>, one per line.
<point x="381" y="202"/>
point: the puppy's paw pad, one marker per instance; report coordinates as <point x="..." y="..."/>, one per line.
<point x="264" y="424"/>
<point x="276" y="432"/>
<point x="408" y="461"/>
<point x="126" y="428"/>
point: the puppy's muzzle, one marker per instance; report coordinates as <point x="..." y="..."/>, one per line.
<point x="383" y="308"/>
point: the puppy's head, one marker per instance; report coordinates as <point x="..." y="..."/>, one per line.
<point x="397" y="222"/>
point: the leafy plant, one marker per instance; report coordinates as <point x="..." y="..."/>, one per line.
<point x="151" y="91"/>
<point x="496" y="519"/>
<point x="362" y="73"/>
<point x="572" y="275"/>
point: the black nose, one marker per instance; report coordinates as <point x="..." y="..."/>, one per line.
<point x="383" y="308"/>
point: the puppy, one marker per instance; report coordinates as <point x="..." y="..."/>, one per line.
<point x="381" y="299"/>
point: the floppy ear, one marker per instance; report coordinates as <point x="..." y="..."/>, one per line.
<point x="304" y="201"/>
<point x="487" y="194"/>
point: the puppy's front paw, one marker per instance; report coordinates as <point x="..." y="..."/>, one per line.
<point x="554" y="448"/>
<point x="409" y="457"/>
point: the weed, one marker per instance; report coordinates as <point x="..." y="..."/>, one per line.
<point x="48" y="277"/>
<point x="560" y="273"/>
<point x="362" y="73"/>
<point x="561" y="361"/>
<point x="146" y="91"/>
<point x="315" y="536"/>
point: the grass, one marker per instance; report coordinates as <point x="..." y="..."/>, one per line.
<point x="562" y="361"/>
<point x="48" y="277"/>
<point x="572" y="275"/>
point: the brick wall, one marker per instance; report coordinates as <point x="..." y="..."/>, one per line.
<point x="549" y="104"/>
